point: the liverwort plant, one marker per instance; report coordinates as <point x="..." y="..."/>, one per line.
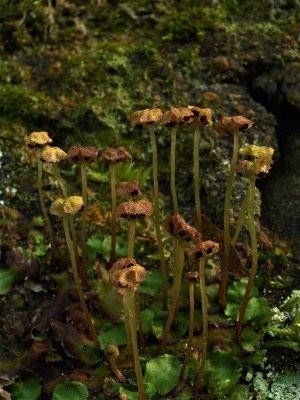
<point x="38" y="140"/>
<point x="235" y="126"/>
<point x="131" y="211"/>
<point x="148" y="118"/>
<point x="128" y="278"/>
<point x="193" y="277"/>
<point x="112" y="156"/>
<point x="181" y="231"/>
<point x="54" y="155"/>
<point x="257" y="168"/>
<point x="82" y="156"/>
<point x="64" y="208"/>
<point x="202" y="251"/>
<point x="202" y="119"/>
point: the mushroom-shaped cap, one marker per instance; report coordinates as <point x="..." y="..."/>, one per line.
<point x="127" y="189"/>
<point x="146" y="117"/>
<point x="57" y="208"/>
<point x="122" y="263"/>
<point x="129" y="276"/>
<point x="115" y="155"/>
<point x="202" y="117"/>
<point x="253" y="152"/>
<point x="231" y="125"/>
<point x="260" y="167"/>
<point x="177" y="226"/>
<point x="203" y="249"/>
<point x="73" y="204"/>
<point x="111" y="350"/>
<point x="171" y="118"/>
<point x="193" y="276"/>
<point x="81" y="154"/>
<point x="135" y="209"/>
<point x="70" y="205"/>
<point x="186" y="115"/>
<point x="52" y="154"/>
<point x="39" y="139"/>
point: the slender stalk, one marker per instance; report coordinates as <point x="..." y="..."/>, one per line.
<point x="130" y="305"/>
<point x="173" y="155"/>
<point x="251" y="227"/>
<point x="78" y="283"/>
<point x="115" y="369"/>
<point x="62" y="185"/>
<point x="127" y="328"/>
<point x="177" y="286"/>
<point x="83" y="226"/>
<point x="227" y="206"/>
<point x="196" y="179"/>
<point x="44" y="210"/>
<point x="157" y="221"/>
<point x="113" y="215"/>
<point x="205" y="324"/>
<point x="241" y="219"/>
<point x="132" y="224"/>
<point x="131" y="238"/>
<point x="191" y="329"/>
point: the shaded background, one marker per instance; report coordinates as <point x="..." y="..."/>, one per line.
<point x="78" y="69"/>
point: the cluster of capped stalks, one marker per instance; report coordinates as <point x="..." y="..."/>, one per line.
<point x="126" y="274"/>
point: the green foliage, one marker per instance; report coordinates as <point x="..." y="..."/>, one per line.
<point x="29" y="389"/>
<point x="97" y="245"/>
<point x="250" y="339"/>
<point x="113" y="334"/>
<point x="256" y="309"/>
<point x="70" y="390"/>
<point x="222" y="371"/>
<point x="7" y="279"/>
<point x="152" y="283"/>
<point x="162" y="372"/>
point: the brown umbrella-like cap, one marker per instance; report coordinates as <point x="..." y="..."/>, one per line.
<point x="203" y="249"/>
<point x="71" y="205"/>
<point x="171" y="118"/>
<point x="177" y="226"/>
<point x="114" y="155"/>
<point x="202" y="117"/>
<point x="39" y="139"/>
<point x="134" y="209"/>
<point x="259" y="167"/>
<point x="80" y="154"/>
<point x="131" y="276"/>
<point x="231" y="125"/>
<point x="128" y="189"/>
<point x="52" y="154"/>
<point x="186" y="115"/>
<point x="193" y="276"/>
<point x="146" y="117"/>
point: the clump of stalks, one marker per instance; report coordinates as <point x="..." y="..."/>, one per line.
<point x="193" y="277"/>
<point x="112" y="156"/>
<point x="54" y="155"/>
<point x="258" y="167"/>
<point x="202" y="251"/>
<point x="201" y="120"/>
<point x="131" y="211"/>
<point x="148" y="118"/>
<point x="181" y="231"/>
<point x="127" y="279"/>
<point x="83" y="156"/>
<point x="38" y="140"/>
<point x="235" y="126"/>
<point x="64" y="208"/>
